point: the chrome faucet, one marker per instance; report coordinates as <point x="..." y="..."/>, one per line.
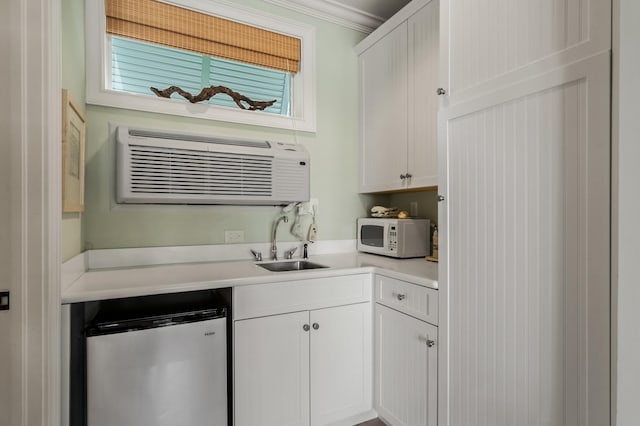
<point x="257" y="255"/>
<point x="289" y="253"/>
<point x="274" y="248"/>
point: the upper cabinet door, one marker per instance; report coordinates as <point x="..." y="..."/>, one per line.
<point x="501" y="42"/>
<point x="423" y="76"/>
<point x="383" y="112"/>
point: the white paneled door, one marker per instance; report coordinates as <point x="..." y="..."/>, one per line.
<point x="524" y="226"/>
<point x="5" y="227"/>
<point x="527" y="261"/>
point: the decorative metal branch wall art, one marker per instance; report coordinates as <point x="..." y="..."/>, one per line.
<point x="209" y="92"/>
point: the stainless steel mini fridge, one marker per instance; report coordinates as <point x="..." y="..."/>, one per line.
<point x="158" y="369"/>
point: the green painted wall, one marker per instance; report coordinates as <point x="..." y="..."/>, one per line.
<point x="73" y="80"/>
<point x="427" y="203"/>
<point x="333" y="149"/>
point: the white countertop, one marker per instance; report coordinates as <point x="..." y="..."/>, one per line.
<point x="99" y="284"/>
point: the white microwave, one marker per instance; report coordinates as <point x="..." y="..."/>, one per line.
<point x="394" y="237"/>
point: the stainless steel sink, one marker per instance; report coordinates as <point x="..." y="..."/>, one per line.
<point x="290" y="265"/>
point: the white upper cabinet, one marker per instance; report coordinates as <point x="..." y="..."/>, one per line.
<point x="423" y="72"/>
<point x="383" y="112"/>
<point x="399" y="75"/>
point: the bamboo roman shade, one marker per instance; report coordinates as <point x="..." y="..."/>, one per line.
<point x="173" y="26"/>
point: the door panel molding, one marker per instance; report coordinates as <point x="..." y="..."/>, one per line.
<point x="524" y="267"/>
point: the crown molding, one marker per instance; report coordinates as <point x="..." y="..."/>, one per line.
<point x="334" y="12"/>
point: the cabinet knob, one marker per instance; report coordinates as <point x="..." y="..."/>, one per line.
<point x="316" y="326"/>
<point x="409" y="175"/>
<point x="403" y="177"/>
<point x="430" y="343"/>
<point x="440" y="91"/>
<point x="305" y="327"/>
<point x="440" y="198"/>
<point x="401" y="296"/>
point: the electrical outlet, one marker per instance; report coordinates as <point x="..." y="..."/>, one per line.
<point x="413" y="209"/>
<point x="232" y="237"/>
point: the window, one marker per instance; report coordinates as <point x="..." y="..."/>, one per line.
<point x="136" y="66"/>
<point x="121" y="69"/>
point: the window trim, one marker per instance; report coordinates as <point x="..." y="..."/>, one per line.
<point x="98" y="65"/>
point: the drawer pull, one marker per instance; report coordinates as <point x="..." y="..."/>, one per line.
<point x="316" y="326"/>
<point x="400" y="296"/>
<point x="305" y="327"/>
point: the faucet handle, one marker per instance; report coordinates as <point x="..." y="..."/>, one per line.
<point x="257" y="255"/>
<point x="289" y="253"/>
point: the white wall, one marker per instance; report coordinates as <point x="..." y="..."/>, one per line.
<point x="626" y="212"/>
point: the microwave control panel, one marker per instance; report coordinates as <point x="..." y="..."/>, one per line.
<point x="393" y="239"/>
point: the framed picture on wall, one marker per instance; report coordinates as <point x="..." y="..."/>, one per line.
<point x="73" y="151"/>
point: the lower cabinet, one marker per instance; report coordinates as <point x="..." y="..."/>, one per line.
<point x="406" y="361"/>
<point x="341" y="366"/>
<point x="304" y="354"/>
<point x="406" y="391"/>
<point x="271" y="370"/>
<point x="311" y="367"/>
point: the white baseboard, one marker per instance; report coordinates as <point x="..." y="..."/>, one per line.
<point x="359" y="418"/>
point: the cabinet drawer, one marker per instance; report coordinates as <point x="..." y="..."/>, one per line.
<point x="417" y="301"/>
<point x="290" y="296"/>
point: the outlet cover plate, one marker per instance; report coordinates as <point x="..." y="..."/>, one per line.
<point x="233" y="237"/>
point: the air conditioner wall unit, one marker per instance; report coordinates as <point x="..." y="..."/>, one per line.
<point x="166" y="167"/>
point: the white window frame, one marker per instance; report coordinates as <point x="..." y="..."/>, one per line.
<point x="98" y="67"/>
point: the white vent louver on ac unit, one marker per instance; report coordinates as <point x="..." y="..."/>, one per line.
<point x="158" y="167"/>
